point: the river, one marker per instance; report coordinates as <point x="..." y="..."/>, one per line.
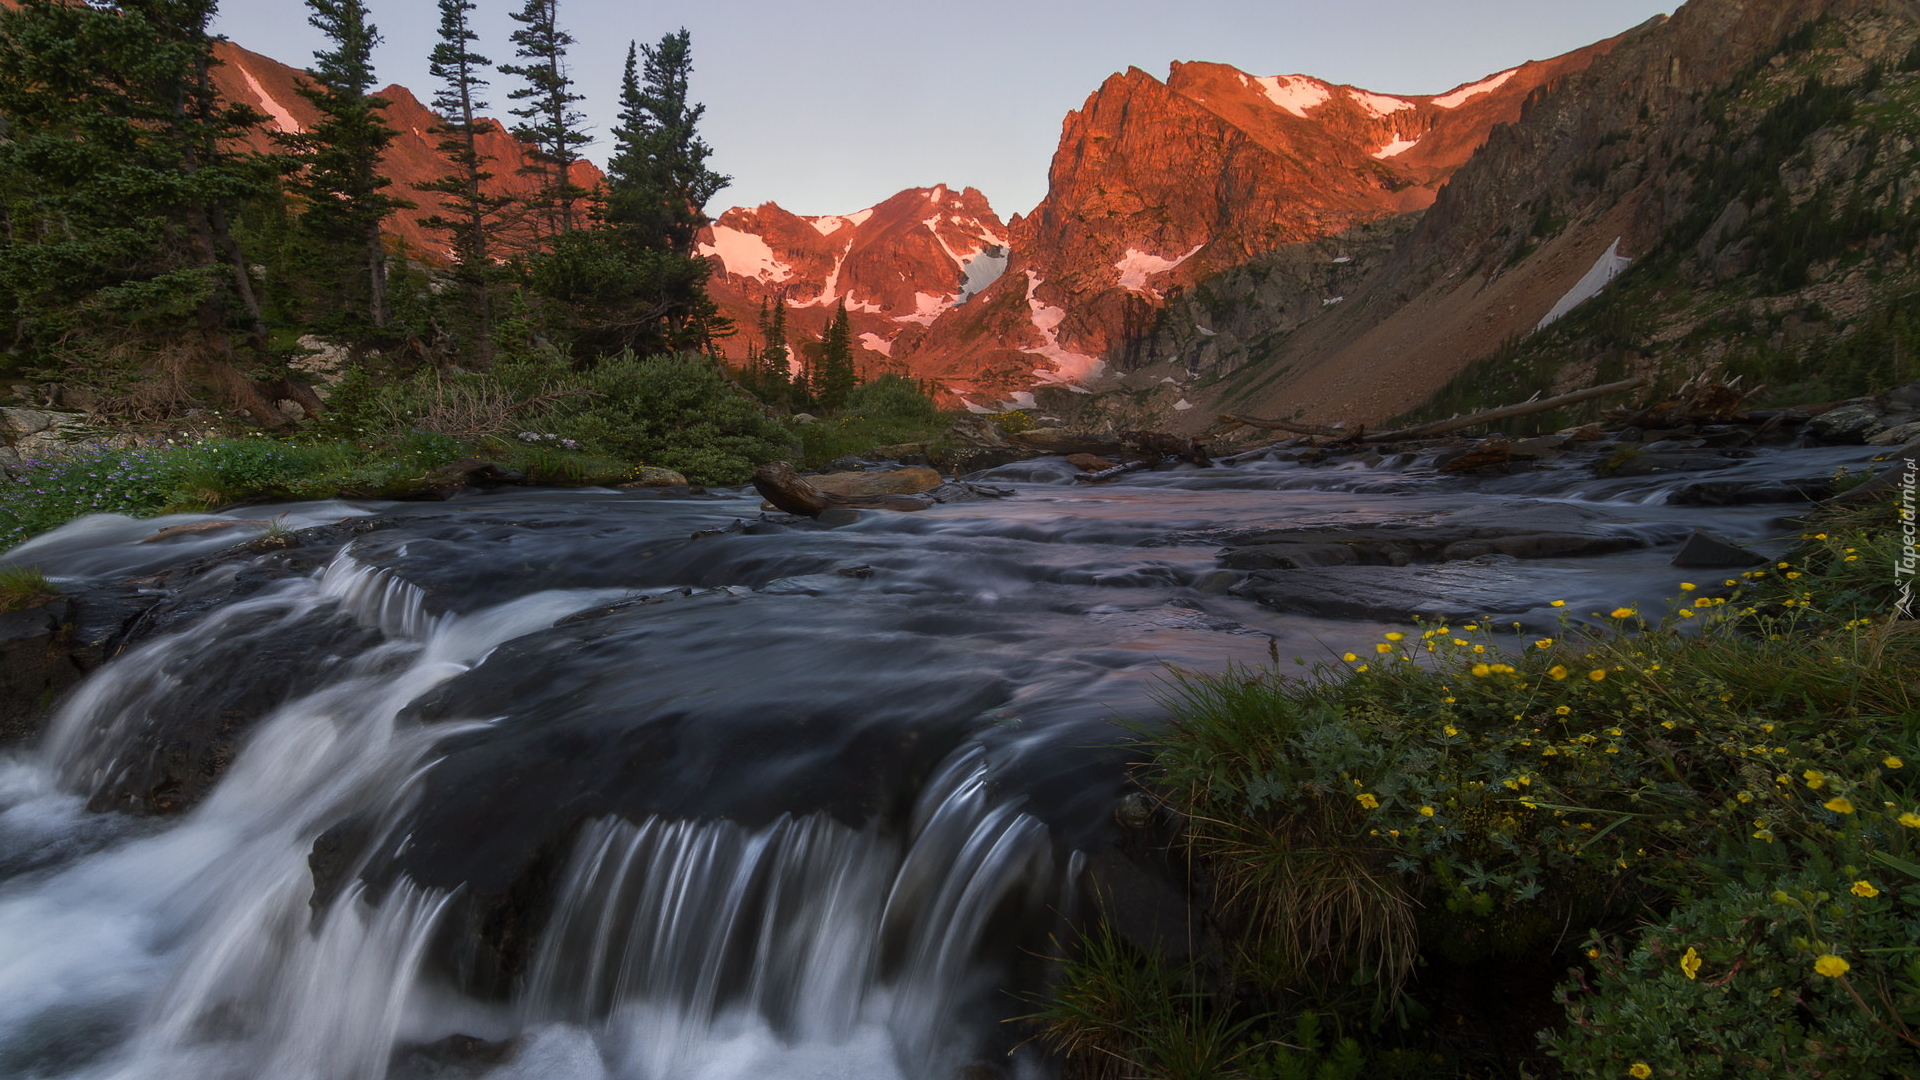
<point x="582" y="784"/>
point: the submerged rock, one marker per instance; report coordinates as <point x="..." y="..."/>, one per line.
<point x="1702" y="550"/>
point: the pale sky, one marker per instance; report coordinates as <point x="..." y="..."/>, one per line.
<point x="832" y="106"/>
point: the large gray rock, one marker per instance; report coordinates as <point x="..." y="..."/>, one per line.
<point x="1854" y="422"/>
<point x="1520" y="530"/>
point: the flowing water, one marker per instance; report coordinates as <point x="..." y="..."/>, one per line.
<point x="591" y="784"/>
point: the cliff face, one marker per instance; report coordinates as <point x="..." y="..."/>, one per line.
<point x="897" y="266"/>
<point x="1631" y="148"/>
<point x="271" y="87"/>
<point x="1155" y="185"/>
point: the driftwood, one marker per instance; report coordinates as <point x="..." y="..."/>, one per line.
<point x="787" y="490"/>
<point x="1442" y="427"/>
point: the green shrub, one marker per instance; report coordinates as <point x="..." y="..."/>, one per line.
<point x="674" y="411"/>
<point x="887" y="411"/>
<point x="24" y="587"/>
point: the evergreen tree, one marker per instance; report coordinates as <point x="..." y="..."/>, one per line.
<point x="117" y="180"/>
<point x="658" y="183"/>
<point x="339" y="163"/>
<point x="550" y="121"/>
<point x="635" y="283"/>
<point x="774" y="361"/>
<point x="835" y="377"/>
<point x="471" y="218"/>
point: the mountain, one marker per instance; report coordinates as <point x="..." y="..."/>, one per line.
<point x="1155" y="185"/>
<point x="897" y="266"/>
<point x="270" y="86"/>
<point x="1750" y="164"/>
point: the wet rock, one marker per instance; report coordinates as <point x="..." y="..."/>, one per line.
<point x="1449" y="591"/>
<point x="1143" y="906"/>
<point x="36" y="666"/>
<point x="1525" y="531"/>
<point x="456" y="1057"/>
<point x="1216" y="582"/>
<point x="1751" y="492"/>
<point x="1492" y="451"/>
<point x="1090" y="462"/>
<point x="1853" y="422"/>
<point x="1898" y="435"/>
<point x="1702" y="550"/>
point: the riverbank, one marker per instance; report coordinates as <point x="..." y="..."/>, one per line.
<point x="1685" y="844"/>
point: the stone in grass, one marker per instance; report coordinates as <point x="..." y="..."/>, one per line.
<point x="1702" y="550"/>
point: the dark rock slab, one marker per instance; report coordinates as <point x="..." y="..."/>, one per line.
<point x="1522" y="530"/>
<point x="1450" y="591"/>
<point x="1751" y="492"/>
<point x="36" y="666"/>
<point x="1703" y="550"/>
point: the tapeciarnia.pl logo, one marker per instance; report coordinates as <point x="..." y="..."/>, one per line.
<point x="1904" y="568"/>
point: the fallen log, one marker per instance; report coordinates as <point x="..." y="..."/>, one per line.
<point x="1508" y="412"/>
<point x="1322" y="430"/>
<point x="1442" y="427"/>
<point x="1109" y="473"/>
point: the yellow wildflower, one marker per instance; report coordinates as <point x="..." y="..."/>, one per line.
<point x="1839" y="805"/>
<point x="1383" y="647"/>
<point x="1426" y="811"/>
<point x="1450" y="729"/>
<point x="1639" y="1070"/>
<point x="1597" y="674"/>
<point x="1831" y="966"/>
<point x="1350" y="658"/>
<point x="1557" y="672"/>
<point x="1892" y="761"/>
<point x="1910" y="820"/>
<point x="1395" y="636"/>
<point x="1559" y="603"/>
<point x="1690" y="963"/>
<point x="1623" y="613"/>
<point x="1544" y="643"/>
<point x="1814" y="778"/>
<point x="1865" y="889"/>
<point x="1367" y="800"/>
<point x="1687" y="586"/>
<point x="1481" y="671"/>
<point x="1561" y="710"/>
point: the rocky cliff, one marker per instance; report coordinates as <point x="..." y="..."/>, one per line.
<point x="1710" y="147"/>
<point x="1156" y="185"/>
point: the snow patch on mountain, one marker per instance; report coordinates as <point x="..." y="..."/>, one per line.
<point x="1485" y="86"/>
<point x="1137" y="266"/>
<point x="859" y="217"/>
<point x="983" y="270"/>
<point x="875" y="343"/>
<point x="828" y="225"/>
<point x="926" y="308"/>
<point x="276" y="112"/>
<point x="1398" y="146"/>
<point x="745" y="254"/>
<point x="1609" y="266"/>
<point x="1378" y="104"/>
<point x="1068" y="366"/>
<point x="1294" y="93"/>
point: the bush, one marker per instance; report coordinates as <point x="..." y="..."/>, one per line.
<point x="674" y="411"/>
<point x="887" y="411"/>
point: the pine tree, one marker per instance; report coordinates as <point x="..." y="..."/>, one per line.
<point x="775" y="359"/>
<point x="550" y="121"/>
<point x="118" y="175"/>
<point x="635" y="283"/>
<point x="339" y="161"/>
<point x="658" y="183"/>
<point x="472" y="216"/>
<point x="835" y="376"/>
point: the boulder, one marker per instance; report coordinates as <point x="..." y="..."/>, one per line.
<point x="1091" y="462"/>
<point x="35" y="667"/>
<point x="1702" y="550"/>
<point x="1492" y="451"/>
<point x="906" y="481"/>
<point x="651" y="476"/>
<point x="1898" y="435"/>
<point x="1854" y="422"/>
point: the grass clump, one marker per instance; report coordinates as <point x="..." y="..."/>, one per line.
<point x="23" y="587"/>
<point x="1707" y="817"/>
